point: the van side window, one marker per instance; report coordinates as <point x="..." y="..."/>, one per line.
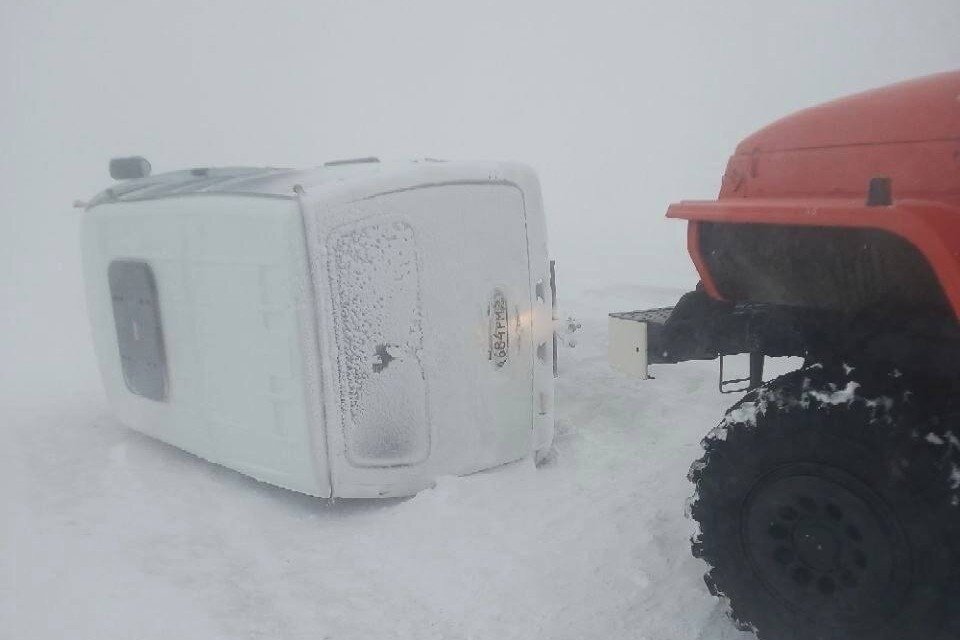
<point x="136" y="313"/>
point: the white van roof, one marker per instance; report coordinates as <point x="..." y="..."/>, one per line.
<point x="249" y="181"/>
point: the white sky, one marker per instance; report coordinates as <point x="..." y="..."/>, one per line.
<point x="622" y="107"/>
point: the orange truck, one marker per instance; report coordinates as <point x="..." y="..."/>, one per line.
<point x="828" y="499"/>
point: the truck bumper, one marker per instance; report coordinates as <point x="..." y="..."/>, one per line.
<point x="701" y="328"/>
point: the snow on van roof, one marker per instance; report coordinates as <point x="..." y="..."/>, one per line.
<point x="254" y="181"/>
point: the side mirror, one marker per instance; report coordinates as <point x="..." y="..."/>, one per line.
<point x="129" y="168"/>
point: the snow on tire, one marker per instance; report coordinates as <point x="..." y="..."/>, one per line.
<point x="828" y="508"/>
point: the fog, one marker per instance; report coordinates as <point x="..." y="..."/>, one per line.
<point x="622" y="107"/>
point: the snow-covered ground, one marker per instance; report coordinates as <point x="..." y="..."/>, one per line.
<point x="109" y="534"/>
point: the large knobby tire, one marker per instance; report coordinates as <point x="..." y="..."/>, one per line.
<point x="828" y="509"/>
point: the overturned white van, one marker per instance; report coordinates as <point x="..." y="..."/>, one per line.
<point x="354" y="330"/>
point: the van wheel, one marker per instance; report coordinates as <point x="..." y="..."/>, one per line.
<point x="828" y="510"/>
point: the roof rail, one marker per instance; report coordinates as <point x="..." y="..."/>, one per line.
<point x="366" y="160"/>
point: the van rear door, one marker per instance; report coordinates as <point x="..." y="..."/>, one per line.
<point x="429" y="318"/>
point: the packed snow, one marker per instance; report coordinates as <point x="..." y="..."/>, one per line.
<point x="109" y="534"/>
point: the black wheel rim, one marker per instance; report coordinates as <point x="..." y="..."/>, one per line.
<point x="825" y="545"/>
